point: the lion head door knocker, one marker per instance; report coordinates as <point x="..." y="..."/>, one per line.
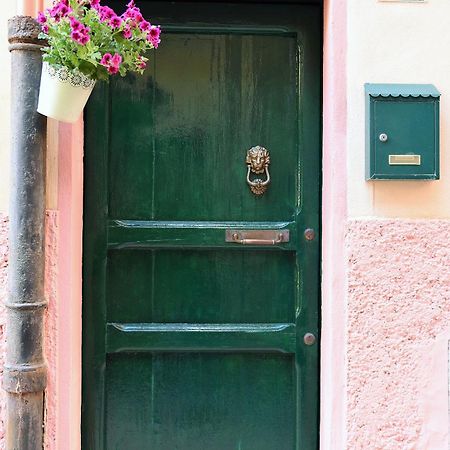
<point x="258" y="161"/>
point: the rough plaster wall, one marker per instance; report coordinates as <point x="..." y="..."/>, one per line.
<point x="3" y="288"/>
<point x="51" y="329"/>
<point x="398" y="312"/>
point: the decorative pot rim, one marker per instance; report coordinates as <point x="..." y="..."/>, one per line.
<point x="72" y="76"/>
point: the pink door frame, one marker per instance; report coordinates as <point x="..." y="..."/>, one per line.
<point x="334" y="217"/>
<point x="64" y="255"/>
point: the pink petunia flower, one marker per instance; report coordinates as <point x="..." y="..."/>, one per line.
<point x="154" y="36"/>
<point x="81" y="36"/>
<point x="112" y="70"/>
<point x="116" y="60"/>
<point x="84" y="39"/>
<point x="106" y="13"/>
<point x="76" y="35"/>
<point x="155" y="31"/>
<point x="44" y="28"/>
<point x="106" y="59"/>
<point x="59" y="10"/>
<point x="141" y="63"/>
<point x="75" y="24"/>
<point x="54" y="12"/>
<point x="155" y="42"/>
<point x="145" y="26"/>
<point x="115" y="22"/>
<point x="134" y="13"/>
<point x="41" y="18"/>
<point x="64" y="10"/>
<point x="95" y="3"/>
<point x="112" y="63"/>
<point x="127" y="32"/>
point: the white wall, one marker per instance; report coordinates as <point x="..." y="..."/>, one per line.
<point x="7" y="10"/>
<point x="397" y="42"/>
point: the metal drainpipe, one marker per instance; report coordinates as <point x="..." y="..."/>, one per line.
<point x="25" y="373"/>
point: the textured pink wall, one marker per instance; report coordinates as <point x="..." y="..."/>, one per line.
<point x="3" y="289"/>
<point x="51" y="328"/>
<point x="398" y="329"/>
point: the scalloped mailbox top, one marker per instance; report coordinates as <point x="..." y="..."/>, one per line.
<point x="401" y="90"/>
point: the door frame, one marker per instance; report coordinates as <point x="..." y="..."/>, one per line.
<point x="93" y="233"/>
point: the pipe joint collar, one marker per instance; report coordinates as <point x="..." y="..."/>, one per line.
<point x="24" y="378"/>
<point x="24" y="30"/>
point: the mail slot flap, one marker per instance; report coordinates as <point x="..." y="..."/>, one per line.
<point x="257" y="237"/>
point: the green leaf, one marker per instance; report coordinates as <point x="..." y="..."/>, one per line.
<point x="73" y="59"/>
<point x="87" y="68"/>
<point x="120" y="39"/>
<point x="101" y="73"/>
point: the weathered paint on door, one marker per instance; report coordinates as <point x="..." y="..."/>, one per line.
<point x="190" y="342"/>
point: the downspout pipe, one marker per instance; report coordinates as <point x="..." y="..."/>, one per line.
<point x="25" y="373"/>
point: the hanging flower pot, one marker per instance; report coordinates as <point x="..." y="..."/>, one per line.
<point x="88" y="42"/>
<point x="63" y="93"/>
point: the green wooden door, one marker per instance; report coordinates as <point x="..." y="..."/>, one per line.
<point x="192" y="342"/>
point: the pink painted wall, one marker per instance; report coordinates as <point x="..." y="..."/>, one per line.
<point x="334" y="201"/>
<point x="397" y="334"/>
<point x="67" y="416"/>
<point x="3" y="291"/>
<point x="52" y="343"/>
<point x="63" y="289"/>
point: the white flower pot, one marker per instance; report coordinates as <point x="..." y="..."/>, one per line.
<point x="63" y="93"/>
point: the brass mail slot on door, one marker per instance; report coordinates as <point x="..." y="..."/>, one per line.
<point x="257" y="237"/>
<point x="404" y="160"/>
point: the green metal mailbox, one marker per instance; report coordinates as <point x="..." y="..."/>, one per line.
<point x="402" y="132"/>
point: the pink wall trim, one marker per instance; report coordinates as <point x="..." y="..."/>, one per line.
<point x="64" y="277"/>
<point x="398" y="332"/>
<point x="70" y="205"/>
<point x="334" y="201"/>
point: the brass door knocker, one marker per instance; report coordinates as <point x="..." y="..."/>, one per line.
<point x="258" y="161"/>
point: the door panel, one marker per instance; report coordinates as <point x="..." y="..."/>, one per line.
<point x="195" y="139"/>
<point x="192" y="342"/>
<point x="260" y="414"/>
<point x="199" y="286"/>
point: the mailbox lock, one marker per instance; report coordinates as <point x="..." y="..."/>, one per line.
<point x="383" y="137"/>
